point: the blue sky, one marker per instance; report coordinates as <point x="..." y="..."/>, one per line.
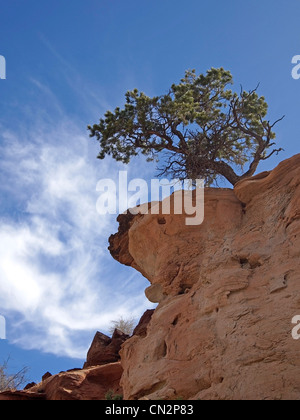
<point x="67" y="63"/>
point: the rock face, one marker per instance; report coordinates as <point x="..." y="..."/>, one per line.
<point x="227" y="292"/>
<point x="141" y="328"/>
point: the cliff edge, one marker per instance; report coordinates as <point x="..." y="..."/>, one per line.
<point x="227" y="291"/>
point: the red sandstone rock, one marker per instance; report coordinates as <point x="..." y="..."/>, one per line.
<point x="30" y="385"/>
<point x="46" y="376"/>
<point x="227" y="292"/>
<point x="21" y="396"/>
<point x="105" y="349"/>
<point x="141" y="328"/>
<point x="86" y="384"/>
<point x="80" y="384"/>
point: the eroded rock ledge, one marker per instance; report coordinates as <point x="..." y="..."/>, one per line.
<point x="227" y="292"/>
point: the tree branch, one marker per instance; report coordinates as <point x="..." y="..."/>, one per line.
<point x="272" y="153"/>
<point x="168" y="139"/>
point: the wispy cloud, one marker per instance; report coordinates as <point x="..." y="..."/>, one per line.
<point x="92" y="97"/>
<point x="58" y="283"/>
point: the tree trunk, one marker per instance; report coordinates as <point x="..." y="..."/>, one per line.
<point x="225" y="170"/>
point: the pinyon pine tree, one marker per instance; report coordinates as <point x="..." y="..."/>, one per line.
<point x="199" y="129"/>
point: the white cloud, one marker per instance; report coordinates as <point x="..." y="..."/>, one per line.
<point x="58" y="283"/>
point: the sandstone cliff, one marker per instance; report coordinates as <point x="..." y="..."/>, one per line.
<point x="227" y="292"/>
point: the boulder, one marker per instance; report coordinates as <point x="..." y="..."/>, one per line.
<point x="105" y="349"/>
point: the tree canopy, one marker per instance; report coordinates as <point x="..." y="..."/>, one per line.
<point x="201" y="128"/>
